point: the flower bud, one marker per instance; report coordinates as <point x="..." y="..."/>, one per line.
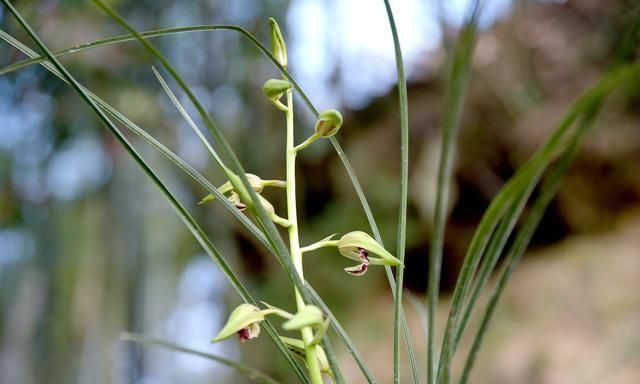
<point x="361" y="247"/>
<point x="278" y="47"/>
<point x="328" y="124"/>
<point x="309" y="316"/>
<point x="243" y="321"/>
<point x="274" y="89"/>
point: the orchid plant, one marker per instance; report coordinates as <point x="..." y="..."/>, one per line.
<point x="309" y="320"/>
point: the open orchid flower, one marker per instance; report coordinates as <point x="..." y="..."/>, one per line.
<point x="362" y="248"/>
<point x="255" y="181"/>
<point x="241" y="202"/>
<point x="358" y="246"/>
<point x="245" y="321"/>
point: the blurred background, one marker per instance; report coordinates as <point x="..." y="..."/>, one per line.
<point x="89" y="248"/>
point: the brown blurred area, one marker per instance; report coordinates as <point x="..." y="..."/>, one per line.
<point x="111" y="256"/>
<point x="571" y="311"/>
<point x="527" y="71"/>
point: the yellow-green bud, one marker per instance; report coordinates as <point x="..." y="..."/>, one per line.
<point x="309" y="316"/>
<point x="274" y="89"/>
<point x="329" y="122"/>
<point x="278" y="47"/>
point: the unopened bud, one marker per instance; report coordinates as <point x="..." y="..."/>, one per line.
<point x="309" y="316"/>
<point x="274" y="89"/>
<point x="328" y="124"/>
<point x="278" y="47"/>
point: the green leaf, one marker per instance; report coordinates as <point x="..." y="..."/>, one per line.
<point x="506" y="206"/>
<point x="147" y="138"/>
<point x="547" y="191"/>
<point x="402" y="215"/>
<point x="246" y="370"/>
<point x="183" y="213"/>
<point x="457" y="82"/>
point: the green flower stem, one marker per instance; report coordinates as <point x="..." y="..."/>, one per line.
<point x="307" y="142"/>
<point x="274" y="183"/>
<point x="310" y="348"/>
<point x="281" y="221"/>
<point x="319" y="244"/>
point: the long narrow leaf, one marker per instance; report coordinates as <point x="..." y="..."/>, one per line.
<point x="150" y="140"/>
<point x="591" y="108"/>
<point x="185" y="115"/>
<point x="402" y="216"/>
<point x="244" y="369"/>
<point x="524" y="180"/>
<point x="457" y="82"/>
<point x="548" y="190"/>
<point x="625" y="51"/>
<point x="182" y="212"/>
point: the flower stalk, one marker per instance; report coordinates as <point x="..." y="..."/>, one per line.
<point x="310" y="348"/>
